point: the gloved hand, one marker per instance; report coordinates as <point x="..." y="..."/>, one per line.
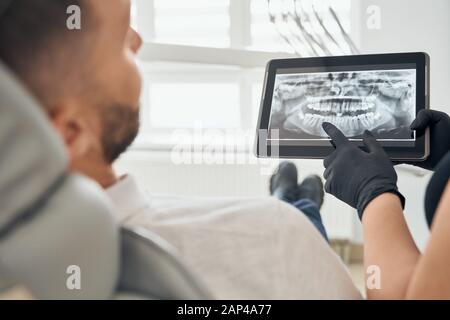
<point x="357" y="177"/>
<point x="439" y="124"/>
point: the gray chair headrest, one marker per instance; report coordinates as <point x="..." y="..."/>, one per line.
<point x="50" y="221"/>
<point x="32" y="158"/>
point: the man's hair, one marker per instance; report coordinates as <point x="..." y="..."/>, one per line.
<point x="37" y="45"/>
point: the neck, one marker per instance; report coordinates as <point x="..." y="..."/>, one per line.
<point x="102" y="173"/>
<point x="106" y="177"/>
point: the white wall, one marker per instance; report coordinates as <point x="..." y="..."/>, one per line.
<point x="412" y="25"/>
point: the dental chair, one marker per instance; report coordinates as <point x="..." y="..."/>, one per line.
<point x="51" y="221"/>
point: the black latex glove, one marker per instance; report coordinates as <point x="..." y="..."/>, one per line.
<point x="439" y="124"/>
<point x="355" y="176"/>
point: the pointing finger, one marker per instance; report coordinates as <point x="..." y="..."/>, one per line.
<point x="328" y="160"/>
<point x="371" y="142"/>
<point x="335" y="134"/>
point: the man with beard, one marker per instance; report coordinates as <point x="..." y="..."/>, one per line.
<point x="89" y="85"/>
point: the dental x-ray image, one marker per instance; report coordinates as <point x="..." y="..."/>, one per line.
<point x="382" y="101"/>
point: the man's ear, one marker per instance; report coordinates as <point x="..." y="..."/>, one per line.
<point x="70" y="127"/>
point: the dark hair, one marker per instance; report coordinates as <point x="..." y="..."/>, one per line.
<point x="37" y="45"/>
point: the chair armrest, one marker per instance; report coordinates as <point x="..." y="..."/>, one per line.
<point x="151" y="268"/>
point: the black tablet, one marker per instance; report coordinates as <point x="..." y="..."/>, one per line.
<point x="382" y="93"/>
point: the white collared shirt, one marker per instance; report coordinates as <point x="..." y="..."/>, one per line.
<point x="240" y="248"/>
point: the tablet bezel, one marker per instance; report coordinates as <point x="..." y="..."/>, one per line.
<point x="419" y="152"/>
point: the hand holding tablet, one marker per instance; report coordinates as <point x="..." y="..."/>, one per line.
<point x="438" y="123"/>
<point x="380" y="93"/>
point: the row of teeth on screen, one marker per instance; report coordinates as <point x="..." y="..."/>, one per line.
<point x="339" y="107"/>
<point x="367" y="120"/>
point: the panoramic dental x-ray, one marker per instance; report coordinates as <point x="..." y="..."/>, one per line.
<point x="382" y="101"/>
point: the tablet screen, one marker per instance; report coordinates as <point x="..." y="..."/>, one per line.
<point x="379" y="98"/>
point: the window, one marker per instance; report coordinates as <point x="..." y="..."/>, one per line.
<point x="203" y="63"/>
<point x="195" y="104"/>
<point x="195" y="22"/>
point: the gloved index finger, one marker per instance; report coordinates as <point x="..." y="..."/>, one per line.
<point x="329" y="160"/>
<point x="371" y="142"/>
<point x="336" y="135"/>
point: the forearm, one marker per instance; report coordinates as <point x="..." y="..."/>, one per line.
<point x="431" y="278"/>
<point x="388" y="244"/>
